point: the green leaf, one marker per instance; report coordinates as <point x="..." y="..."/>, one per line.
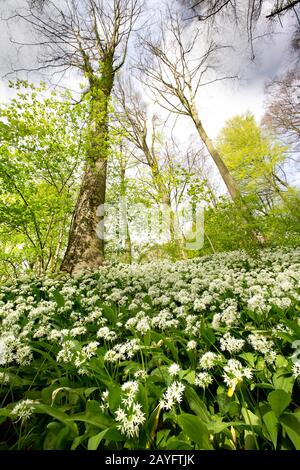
<point x="177" y="444"/>
<point x="59" y="299"/>
<point x="94" y="441"/>
<point x="110" y="434"/>
<point x="279" y="401"/>
<point x="100" y="421"/>
<point x="271" y="423"/>
<point x="114" y="397"/>
<point x="195" y="429"/>
<point x="207" y="334"/>
<point x="57" y="414"/>
<point x="250" y="418"/>
<point x="188" y="376"/>
<point x="196" y="404"/>
<point x="291" y="424"/>
<point x="283" y="381"/>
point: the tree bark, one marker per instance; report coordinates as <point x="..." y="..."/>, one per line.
<point x="85" y="249"/>
<point x="224" y="172"/>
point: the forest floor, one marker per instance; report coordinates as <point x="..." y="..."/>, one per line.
<point x="197" y="354"/>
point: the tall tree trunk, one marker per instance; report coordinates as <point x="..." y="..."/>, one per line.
<point x="85" y="249"/>
<point x="224" y="171"/>
<point x="228" y="179"/>
<point x="127" y="240"/>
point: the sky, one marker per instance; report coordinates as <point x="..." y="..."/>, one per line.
<point x="216" y="102"/>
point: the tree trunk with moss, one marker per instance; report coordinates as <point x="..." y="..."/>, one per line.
<point x="85" y="249"/>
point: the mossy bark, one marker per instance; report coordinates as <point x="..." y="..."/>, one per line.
<point x="85" y="251"/>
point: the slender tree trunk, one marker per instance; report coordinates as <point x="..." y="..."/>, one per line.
<point x="224" y="171"/>
<point x="85" y="249"/>
<point x="228" y="179"/>
<point x="127" y="241"/>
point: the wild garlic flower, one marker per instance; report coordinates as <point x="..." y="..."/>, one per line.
<point x="123" y="351"/>
<point x="174" y="370"/>
<point x="231" y="344"/>
<point x="140" y="374"/>
<point x="234" y="372"/>
<point x="191" y="345"/>
<point x="209" y="360"/>
<point x="104" y="400"/>
<point x="4" y="378"/>
<point x="296" y="369"/>
<point x="203" y="379"/>
<point x="23" y="410"/>
<point x="130" y="419"/>
<point x="172" y="396"/>
<point x="260" y="343"/>
<point x="107" y="334"/>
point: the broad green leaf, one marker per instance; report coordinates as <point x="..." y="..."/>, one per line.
<point x="271" y="423"/>
<point x="195" y="429"/>
<point x="250" y="418"/>
<point x="110" y="434"/>
<point x="279" y="401"/>
<point x="282" y="381"/>
<point x="177" y="444"/>
<point x="94" y="441"/>
<point x="291" y="424"/>
<point x="114" y="397"/>
<point x="100" y="420"/>
<point x="196" y="404"/>
<point x="57" y="414"/>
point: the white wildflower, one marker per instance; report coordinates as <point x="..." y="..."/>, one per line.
<point x="23" y="410"/>
<point x="231" y="344"/>
<point x="209" y="360"/>
<point x="191" y="345"/>
<point x="172" y="396"/>
<point x="174" y="370"/>
<point x="203" y="379"/>
<point x="131" y="420"/>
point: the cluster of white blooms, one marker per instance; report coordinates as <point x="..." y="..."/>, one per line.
<point x="104" y="400"/>
<point x="13" y="350"/>
<point x="209" y="360"/>
<point x="123" y="351"/>
<point x="296" y="369"/>
<point x="107" y="334"/>
<point x="203" y="379"/>
<point x="228" y="314"/>
<point x="172" y="396"/>
<point x="191" y="345"/>
<point x="234" y="372"/>
<point x="231" y="344"/>
<point x="23" y="410"/>
<point x="140" y="322"/>
<point x="164" y="320"/>
<point x="68" y="351"/>
<point x="260" y="343"/>
<point x="140" y="374"/>
<point x="130" y="390"/>
<point x="130" y="419"/>
<point x="4" y="378"/>
<point x="174" y="370"/>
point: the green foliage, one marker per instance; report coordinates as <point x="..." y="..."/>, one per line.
<point x="42" y="145"/>
<point x="251" y="157"/>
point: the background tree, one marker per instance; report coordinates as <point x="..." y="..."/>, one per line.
<point x="254" y="159"/>
<point x="41" y="155"/>
<point x="90" y="36"/>
<point x="282" y="115"/>
<point x="176" y="78"/>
